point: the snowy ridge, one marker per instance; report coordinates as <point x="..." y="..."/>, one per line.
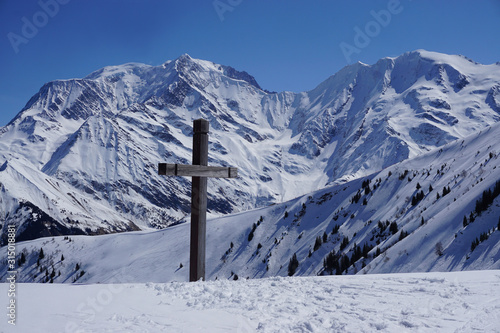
<point x="354" y="222"/>
<point x="102" y="136"/>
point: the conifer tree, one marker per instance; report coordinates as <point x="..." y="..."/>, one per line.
<point x="474" y="244"/>
<point x="367" y="190"/>
<point x="331" y="262"/>
<point x="357" y="253"/>
<point x="393" y="228"/>
<point x="344" y="266"/>
<point x="366" y="249"/>
<point x="21" y="260"/>
<point x="446" y="190"/>
<point x="250" y="235"/>
<point x="293" y="265"/>
<point x="356" y="197"/>
<point x="345" y="242"/>
<point x="41" y="255"/>
<point x="335" y="229"/>
<point x="317" y="243"/>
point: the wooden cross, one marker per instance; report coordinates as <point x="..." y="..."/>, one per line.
<point x="199" y="171"/>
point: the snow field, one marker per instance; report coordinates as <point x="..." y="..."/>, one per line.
<point x="416" y="302"/>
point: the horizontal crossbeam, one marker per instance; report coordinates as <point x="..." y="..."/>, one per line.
<point x="167" y="169"/>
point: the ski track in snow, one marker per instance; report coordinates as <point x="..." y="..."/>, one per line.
<point x="417" y="302"/>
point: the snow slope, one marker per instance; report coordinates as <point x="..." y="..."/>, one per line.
<point x="422" y="302"/>
<point x="430" y="236"/>
<point x="86" y="150"/>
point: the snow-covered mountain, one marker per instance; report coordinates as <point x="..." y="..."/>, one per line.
<point x="81" y="157"/>
<point x="439" y="211"/>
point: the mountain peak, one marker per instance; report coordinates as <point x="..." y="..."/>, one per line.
<point x="187" y="65"/>
<point x="185" y="57"/>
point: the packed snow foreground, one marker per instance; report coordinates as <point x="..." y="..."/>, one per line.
<point x="415" y="302"/>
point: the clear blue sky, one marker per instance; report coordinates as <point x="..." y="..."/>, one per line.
<point x="286" y="45"/>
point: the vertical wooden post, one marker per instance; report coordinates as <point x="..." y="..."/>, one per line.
<point x="199" y="170"/>
<point x="199" y="202"/>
